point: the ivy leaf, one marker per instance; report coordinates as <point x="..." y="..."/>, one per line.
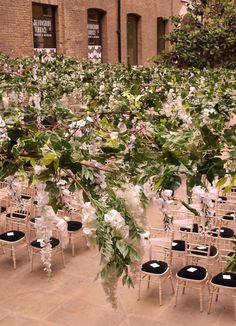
<point x="221" y="181"/>
<point x="122" y="247"/>
<point x="48" y="158"/>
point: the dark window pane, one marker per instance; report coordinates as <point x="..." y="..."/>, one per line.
<point x="161" y="31"/>
<point x="132" y="39"/>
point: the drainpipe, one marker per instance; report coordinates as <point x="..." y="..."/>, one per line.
<point x="119" y="29"/>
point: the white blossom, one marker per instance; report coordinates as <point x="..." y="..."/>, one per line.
<point x="122" y="127"/>
<point x="149" y="190"/>
<point x="114" y="218"/>
<point x="114" y="135"/>
<point x="39" y="168"/>
<point x="131" y="195"/>
<point x="5" y="100"/>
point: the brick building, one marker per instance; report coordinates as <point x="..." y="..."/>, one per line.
<point x="128" y="31"/>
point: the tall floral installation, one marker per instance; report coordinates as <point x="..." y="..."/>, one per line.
<point x="107" y="139"/>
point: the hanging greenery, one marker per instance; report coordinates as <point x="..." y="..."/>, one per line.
<point x="119" y="136"/>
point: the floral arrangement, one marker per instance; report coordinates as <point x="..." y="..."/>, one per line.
<point x="105" y="139"/>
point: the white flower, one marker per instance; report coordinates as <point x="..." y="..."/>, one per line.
<point x="16" y="184"/>
<point x="5" y="100"/>
<point x="48" y="212"/>
<point x="122" y="127"/>
<point x="80" y="123"/>
<point x="89" y="119"/>
<point x="37" y="100"/>
<point x="89" y="231"/>
<point x="88" y="213"/>
<point x="2" y="123"/>
<point x="168" y="193"/>
<point x="144" y="127"/>
<point x="213" y="193"/>
<point x="65" y="192"/>
<point x="38" y="169"/>
<point x="101" y="180"/>
<point x="89" y="220"/>
<point x="198" y="192"/>
<point x="132" y="138"/>
<point x="78" y="133"/>
<point x="131" y="195"/>
<point x="61" y="182"/>
<point x="102" y="88"/>
<point x="114" y="218"/>
<point x="42" y="198"/>
<point x="41" y="185"/>
<point x="114" y="135"/>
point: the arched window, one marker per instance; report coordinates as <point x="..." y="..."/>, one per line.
<point x="95" y="37"/>
<point x="132" y="39"/>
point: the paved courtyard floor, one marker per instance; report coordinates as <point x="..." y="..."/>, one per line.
<point x="72" y="297"/>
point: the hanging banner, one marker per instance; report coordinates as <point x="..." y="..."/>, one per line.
<point x="44" y="32"/>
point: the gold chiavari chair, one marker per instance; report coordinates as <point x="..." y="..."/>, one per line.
<point x="74" y="227"/>
<point x="199" y="249"/>
<point x="225" y="281"/>
<point x="18" y="217"/>
<point x="38" y="244"/>
<point x="13" y="240"/>
<point x="157" y="269"/>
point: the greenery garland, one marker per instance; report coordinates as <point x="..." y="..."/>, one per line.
<point x="120" y="135"/>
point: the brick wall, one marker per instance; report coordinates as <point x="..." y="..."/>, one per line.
<point x="16" y="32"/>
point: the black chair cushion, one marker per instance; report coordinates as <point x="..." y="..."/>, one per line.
<point x="17" y="215"/>
<point x="231" y="253"/>
<point x="178" y="245"/>
<point x="193" y="272"/>
<point x="224" y="232"/>
<point x="37" y="244"/>
<point x="32" y="220"/>
<point x="229" y="216"/>
<point x="25" y="197"/>
<point x="12" y="236"/>
<point x="204" y="251"/>
<point x="2" y="209"/>
<point x="188" y="229"/>
<point x="155" y="267"/>
<point x="233" y="189"/>
<point x="225" y="279"/>
<point x="221" y="199"/>
<point x="74" y="225"/>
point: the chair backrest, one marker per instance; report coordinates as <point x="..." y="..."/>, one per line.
<point x="71" y="215"/>
<point x="4" y="203"/>
<point x="20" y="209"/>
<point x="223" y="206"/>
<point x="3" y="184"/>
<point x="160" y="244"/>
<point x="200" y="245"/>
<point x="29" y="191"/>
<point x="182" y="218"/>
<point x="227" y="247"/>
<point x="225" y="211"/>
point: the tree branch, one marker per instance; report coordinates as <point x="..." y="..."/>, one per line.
<point x="72" y="176"/>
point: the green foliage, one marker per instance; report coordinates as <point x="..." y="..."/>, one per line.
<point x="205" y="37"/>
<point x="132" y="125"/>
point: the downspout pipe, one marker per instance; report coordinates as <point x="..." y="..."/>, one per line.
<point x="119" y="29"/>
